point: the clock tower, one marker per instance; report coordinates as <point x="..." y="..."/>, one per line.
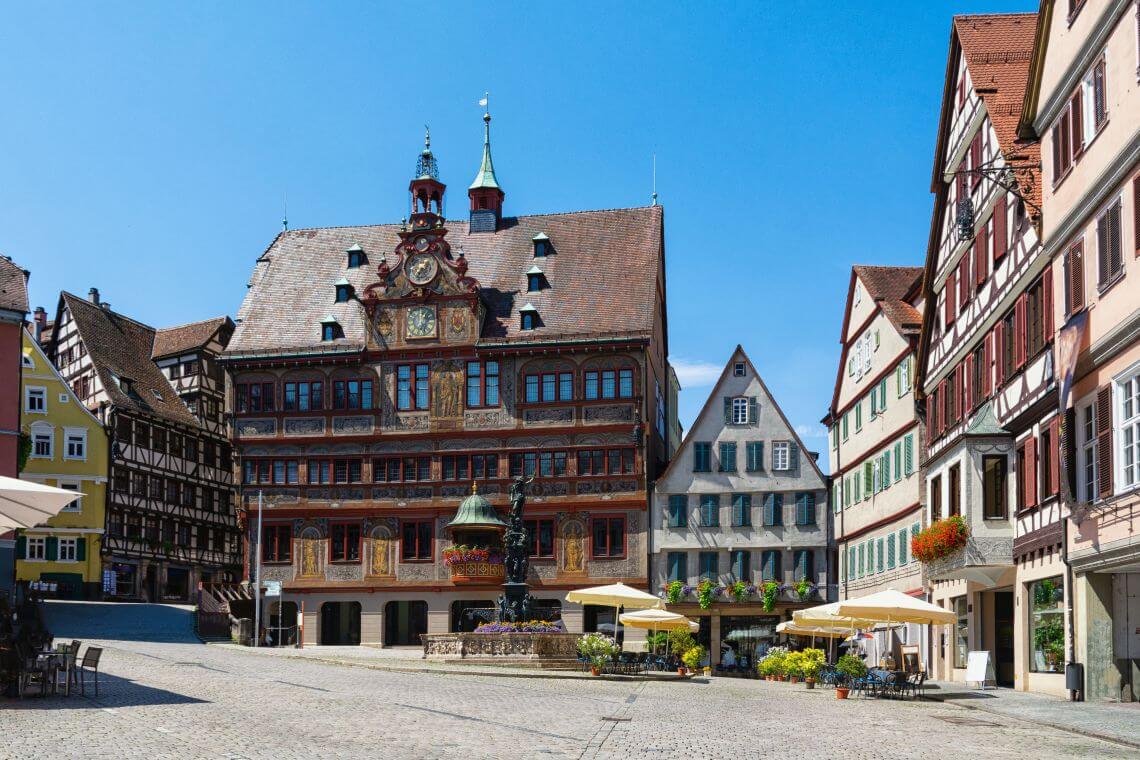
<point x="426" y="190"/>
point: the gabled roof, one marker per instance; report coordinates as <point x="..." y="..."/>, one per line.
<point x="169" y="341"/>
<point x="610" y="257"/>
<point x="739" y="355"/>
<point x="13" y="287"/>
<point x="120" y="348"/>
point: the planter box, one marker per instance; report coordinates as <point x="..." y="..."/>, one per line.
<point x="542" y="650"/>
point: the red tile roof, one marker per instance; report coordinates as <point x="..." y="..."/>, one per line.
<point x="603" y="277"/>
<point x="891" y="287"/>
<point x="183" y="338"/>
<point x="13" y="287"/>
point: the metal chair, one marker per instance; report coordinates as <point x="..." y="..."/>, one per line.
<point x="90" y="664"/>
<point x="33" y="671"/>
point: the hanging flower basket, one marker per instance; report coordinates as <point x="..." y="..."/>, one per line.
<point x="942" y="538"/>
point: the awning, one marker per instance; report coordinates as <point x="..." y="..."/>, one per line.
<point x="26" y="504"/>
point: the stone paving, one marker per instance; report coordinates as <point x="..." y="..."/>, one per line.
<point x="165" y="695"/>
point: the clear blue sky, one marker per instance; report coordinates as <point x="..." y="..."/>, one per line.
<point x="147" y="147"/>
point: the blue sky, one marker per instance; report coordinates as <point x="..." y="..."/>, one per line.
<point x="148" y="147"/>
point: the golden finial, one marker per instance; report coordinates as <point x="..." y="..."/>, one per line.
<point x="474" y="488"/>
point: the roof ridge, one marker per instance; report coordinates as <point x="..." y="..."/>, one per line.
<point x="222" y="318"/>
<point x="286" y="233"/>
<point x="106" y="310"/>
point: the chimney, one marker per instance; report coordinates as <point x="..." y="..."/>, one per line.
<point x="93" y="295"/>
<point x="105" y="305"/>
<point x="39" y="319"/>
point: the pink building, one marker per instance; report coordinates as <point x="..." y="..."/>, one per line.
<point x="13" y="309"/>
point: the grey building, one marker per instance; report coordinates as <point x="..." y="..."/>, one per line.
<point x="743" y="507"/>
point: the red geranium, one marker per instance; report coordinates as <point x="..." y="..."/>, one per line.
<point x="941" y="538"/>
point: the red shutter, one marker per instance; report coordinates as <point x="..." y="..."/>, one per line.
<point x="999" y="228"/>
<point x="951" y="297"/>
<point x="1047" y="303"/>
<point x="976" y="159"/>
<point x="987" y="364"/>
<point x="981" y="264"/>
<point x="969" y="394"/>
<point x="1056" y="139"/>
<point x="1030" y="475"/>
<point x="1076" y="277"/>
<point x="964" y="281"/>
<point x="1104" y="441"/>
<point x="999" y="351"/>
<point x="943" y="399"/>
<point x="1066" y="145"/>
<point x="960" y="389"/>
<point x="1078" y="133"/>
<point x="1054" y="455"/>
<point x="1136" y="212"/>
<point x="1019" y="330"/>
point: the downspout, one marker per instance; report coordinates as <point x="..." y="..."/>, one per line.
<point x="1070" y="631"/>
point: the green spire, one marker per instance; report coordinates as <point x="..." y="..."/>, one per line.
<point x="476" y="512"/>
<point x="485" y="177"/>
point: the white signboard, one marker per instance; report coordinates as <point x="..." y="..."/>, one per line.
<point x="272" y="588"/>
<point x="980" y="669"/>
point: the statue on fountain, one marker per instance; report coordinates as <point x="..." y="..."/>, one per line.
<point x="516" y="603"/>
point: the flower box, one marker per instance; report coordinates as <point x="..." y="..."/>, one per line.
<point x="942" y="538"/>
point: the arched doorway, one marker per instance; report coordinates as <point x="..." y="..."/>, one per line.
<point x="404" y="622"/>
<point x="340" y="623"/>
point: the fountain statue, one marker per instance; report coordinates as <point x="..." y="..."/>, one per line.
<point x="515" y="603"/>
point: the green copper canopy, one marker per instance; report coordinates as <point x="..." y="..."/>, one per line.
<point x="476" y="512"/>
<point x="485" y="177"/>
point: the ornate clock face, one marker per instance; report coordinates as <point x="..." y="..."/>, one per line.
<point x="421" y="268"/>
<point x="421" y="243"/>
<point x="421" y="322"/>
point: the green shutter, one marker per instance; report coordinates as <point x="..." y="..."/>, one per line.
<point x="727" y="410"/>
<point x="909" y="445"/>
<point x="793" y="456"/>
<point x="891" y="552"/>
<point x="52" y="549"/>
<point x="81" y="548"/>
<point x="21" y="546"/>
<point x="898" y="461"/>
<point x="753" y="411"/>
<point x="879" y="556"/>
<point x="886" y="468"/>
<point x="902" y="547"/>
<point x="811" y="508"/>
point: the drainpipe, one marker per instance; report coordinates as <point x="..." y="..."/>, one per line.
<point x="1070" y="631"/>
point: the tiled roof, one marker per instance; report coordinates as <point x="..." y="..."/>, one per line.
<point x="998" y="48"/>
<point x="120" y="347"/>
<point x="13" y="287"/>
<point x="177" y="340"/>
<point x="602" y="272"/>
<point x="890" y="287"/>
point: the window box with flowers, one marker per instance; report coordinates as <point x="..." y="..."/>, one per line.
<point x="473" y="564"/>
<point x="941" y="539"/>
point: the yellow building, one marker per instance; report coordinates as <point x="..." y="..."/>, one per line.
<point x="69" y="450"/>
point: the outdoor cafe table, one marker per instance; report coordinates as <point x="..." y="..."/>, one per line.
<point x="58" y="661"/>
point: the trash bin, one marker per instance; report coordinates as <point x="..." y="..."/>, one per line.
<point x="1075" y="677"/>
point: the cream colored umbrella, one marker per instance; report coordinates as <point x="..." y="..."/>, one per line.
<point x="892" y="606"/>
<point x="616" y="595"/>
<point x="821" y="631"/>
<point x="656" y="620"/>
<point x="829" y="615"/>
<point x="26" y="504"/>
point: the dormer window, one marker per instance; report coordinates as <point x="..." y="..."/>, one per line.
<point x="535" y="279"/>
<point x="541" y="245"/>
<point x="529" y="316"/>
<point x="331" y="329"/>
<point x="343" y="290"/>
<point x="356" y="257"/>
<point x="738" y="369"/>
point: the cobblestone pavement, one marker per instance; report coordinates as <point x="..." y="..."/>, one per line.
<point x="175" y="698"/>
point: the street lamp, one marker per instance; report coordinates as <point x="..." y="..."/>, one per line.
<point x="1003" y="177"/>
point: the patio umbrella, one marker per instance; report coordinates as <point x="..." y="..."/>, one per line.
<point x="822" y="631"/>
<point x="892" y="606"/>
<point x="26" y="504"/>
<point x="829" y="615"/>
<point x="616" y="595"/>
<point x="655" y="620"/>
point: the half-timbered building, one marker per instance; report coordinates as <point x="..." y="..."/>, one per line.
<point x="380" y="371"/>
<point x="170" y="519"/>
<point x="985" y="363"/>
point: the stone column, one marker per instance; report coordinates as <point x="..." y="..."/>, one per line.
<point x="714" y="640"/>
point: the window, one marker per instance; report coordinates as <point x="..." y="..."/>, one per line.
<point x="331" y="331"/>
<point x="678" y="507"/>
<point x="1086" y="421"/>
<point x="529" y="320"/>
<point x="412" y="389"/>
<point x="1129" y="390"/>
<point x="625" y="383"/>
<point x="727" y="457"/>
<point x="741" y="510"/>
<point x="540" y="537"/>
<point x="320" y="471"/>
<point x="252" y="397"/>
<point x="356" y="257"/>
<point x="781" y="455"/>
<point x="770" y="565"/>
<point x="608" y="537"/>
<point x="954" y="497"/>
<point x="605" y="462"/>
<point x="677" y="567"/>
<point x="411" y="469"/>
<point x="343" y="292"/>
<point x="1047" y="625"/>
<point x="304" y="396"/>
<point x="68" y="550"/>
<point x="462" y="467"/>
<point x="702" y="457"/>
<point x="1109" y="248"/>
<point x="544" y="464"/>
<point x="35" y="400"/>
<point x="774" y="509"/>
<point x="75" y="444"/>
<point x="352" y="394"/>
<point x="738" y="369"/>
<point x="36" y="548"/>
<point x="550" y="386"/>
<point x="936" y="498"/>
<point x="710" y="566"/>
<point x="740" y="565"/>
<point x="710" y="510"/>
<point x="43" y="441"/>
<point x="961" y="631"/>
<point x="805" y="509"/>
<point x="346" y="470"/>
<point x="541" y="245"/>
<point x="902" y="378"/>
<point x="754" y="451"/>
<point x="277" y="543"/>
<point x="482" y="384"/>
<point x="415" y="541"/>
<point x="805" y="565"/>
<point x="739" y="411"/>
<point x="77" y="505"/>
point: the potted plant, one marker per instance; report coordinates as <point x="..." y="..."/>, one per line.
<point x="943" y="537"/>
<point x="597" y="648"/>
<point x="693" y="657"/>
<point x="849" y="668"/>
<point x="706" y="593"/>
<point x="794" y="666"/>
<point x="776" y="662"/>
<point x="810" y="664"/>
<point x="805" y="589"/>
<point x="674" y="591"/>
<point x="769" y="592"/>
<point x="680" y="642"/>
<point x="741" y="591"/>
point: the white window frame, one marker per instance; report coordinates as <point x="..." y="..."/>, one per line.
<point x="738" y="369"/>
<point x="38" y="392"/>
<point x="27" y="362"/>
<point x="781" y="455"/>
<point x="81" y="434"/>
<point x="35" y="545"/>
<point x="904" y="377"/>
<point x="43" y="430"/>
<point x="1126" y="428"/>
<point x="67" y="549"/>
<point x="1086" y="435"/>
<point x="740" y="410"/>
<point x="72" y="485"/>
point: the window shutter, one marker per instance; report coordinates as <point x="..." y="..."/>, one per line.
<point x="760" y="455"/>
<point x="793" y="456"/>
<point x="81" y="549"/>
<point x="1030" y="474"/>
<point x="1136" y="213"/>
<point x="1056" y="139"/>
<point x="727" y="410"/>
<point x="970" y="390"/>
<point x="801" y="509"/>
<point x="1077" y="133"/>
<point x="908" y="447"/>
<point x="1076" y="275"/>
<point x="1102" y="249"/>
<point x="753" y="411"/>
<point x="1104" y="441"/>
<point x="1047" y="303"/>
<point x="951" y="295"/>
<point x="1019" y="325"/>
<point x="52" y="548"/>
<point x="980" y="263"/>
<point x="1000" y="235"/>
<point x="987" y="362"/>
<point x="964" y="279"/>
<point x="1116" y="245"/>
<point x="770" y="509"/>
<point x="1099" y="106"/>
<point x="21" y="546"/>
<point x="1054" y="455"/>
<point x="810" y="509"/>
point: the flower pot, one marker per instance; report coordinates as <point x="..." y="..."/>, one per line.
<point x="810" y="682"/>
<point x="841" y="692"/>
<point x="594" y="671"/>
<point x="795" y="679"/>
<point x="708" y="670"/>
<point x="680" y="671"/>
